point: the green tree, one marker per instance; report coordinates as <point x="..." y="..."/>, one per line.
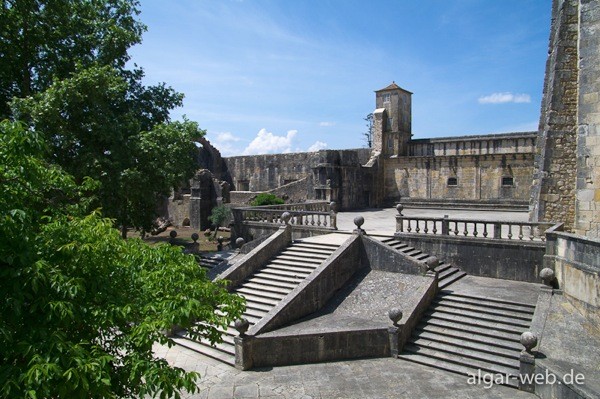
<point x="100" y="125"/>
<point x="369" y="133"/>
<point x="44" y="40"/>
<point x="266" y="199"/>
<point x="82" y="308"/>
<point x="218" y="216"/>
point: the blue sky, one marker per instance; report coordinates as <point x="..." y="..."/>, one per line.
<point x="264" y="76"/>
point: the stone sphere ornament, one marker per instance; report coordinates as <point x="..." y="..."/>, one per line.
<point x="241" y="325"/>
<point x="432" y="262"/>
<point x="173" y="233"/>
<point x="286" y="217"/>
<point x="547" y="275"/>
<point x="333" y="207"/>
<point x="359" y="221"/>
<point x="239" y="242"/>
<point x="400" y="208"/>
<point x="395" y="315"/>
<point x="529" y="340"/>
<point x="195" y="237"/>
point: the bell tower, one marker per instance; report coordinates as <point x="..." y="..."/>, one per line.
<point x="392" y="120"/>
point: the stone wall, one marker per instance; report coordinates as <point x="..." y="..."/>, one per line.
<point x="553" y="192"/>
<point x="588" y="143"/>
<point x="462" y="178"/>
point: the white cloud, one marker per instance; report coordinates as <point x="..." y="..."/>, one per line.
<point x="318" y="145"/>
<point x="325" y="124"/>
<point x="268" y="143"/>
<point x="506" y="97"/>
<point x="224" y="142"/>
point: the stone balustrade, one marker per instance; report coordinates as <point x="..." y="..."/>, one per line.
<point x="312" y="214"/>
<point x="472" y="228"/>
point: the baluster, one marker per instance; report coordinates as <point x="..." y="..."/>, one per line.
<point x="466" y="231"/>
<point x="312" y="219"/>
<point x="409" y="228"/>
<point x="475" y="229"/>
<point x="318" y="220"/>
<point x="485" y="233"/>
<point x="434" y="227"/>
<point x="509" y="231"/>
<point x="531" y="232"/>
<point x="325" y="220"/>
<point x="417" y="229"/>
<point x="455" y="228"/>
<point x="426" y="229"/>
<point x="520" y="232"/>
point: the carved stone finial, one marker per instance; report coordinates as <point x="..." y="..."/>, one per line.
<point x="432" y="262"/>
<point x="286" y="216"/>
<point x="195" y="237"/>
<point x="333" y="207"/>
<point x="399" y="208"/>
<point x="359" y="221"/>
<point x="529" y="341"/>
<point x="395" y="315"/>
<point x="547" y="275"/>
<point x="173" y="233"/>
<point x="239" y="242"/>
<point x="241" y="325"/>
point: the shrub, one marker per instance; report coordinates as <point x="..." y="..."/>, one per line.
<point x="267" y="199"/>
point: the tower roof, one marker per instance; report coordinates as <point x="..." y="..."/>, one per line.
<point x="393" y="86"/>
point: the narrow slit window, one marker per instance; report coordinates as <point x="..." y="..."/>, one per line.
<point x="452" y="181"/>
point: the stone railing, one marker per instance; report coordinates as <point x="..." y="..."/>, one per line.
<point x="305" y="214"/>
<point x="503" y="230"/>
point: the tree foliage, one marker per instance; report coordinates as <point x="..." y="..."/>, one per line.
<point x="266" y="199"/>
<point x="369" y="133"/>
<point x="81" y="307"/>
<point x="218" y="216"/>
<point x="43" y="40"/>
<point x="98" y="124"/>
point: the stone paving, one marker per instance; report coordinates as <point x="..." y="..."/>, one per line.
<point x="364" y="379"/>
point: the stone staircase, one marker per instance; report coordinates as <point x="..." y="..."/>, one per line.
<point x="464" y="334"/>
<point x="264" y="289"/>
<point x="447" y="274"/>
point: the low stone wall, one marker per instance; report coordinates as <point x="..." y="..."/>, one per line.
<point x="520" y="260"/>
<point x="282" y="350"/>
<point x="576" y="262"/>
<point x="382" y="257"/>
<point x="242" y="197"/>
<point x="253" y="230"/>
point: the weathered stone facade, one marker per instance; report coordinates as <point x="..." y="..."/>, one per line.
<point x="566" y="181"/>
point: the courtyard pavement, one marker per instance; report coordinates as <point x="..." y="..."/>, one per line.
<point x="360" y="379"/>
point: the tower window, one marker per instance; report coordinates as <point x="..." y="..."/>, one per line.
<point x="389" y="123"/>
<point x="452" y="182"/>
<point x="508" y="182"/>
<point x="387" y="97"/>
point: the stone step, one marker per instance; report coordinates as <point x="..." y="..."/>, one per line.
<point x="407" y="249"/>
<point x="447" y="273"/>
<point x="267" y="287"/>
<point x="225" y="357"/>
<point x="253" y="312"/>
<point x="472" y="329"/>
<point x="498" y="317"/>
<point x="467" y="350"/>
<point x="491" y="301"/>
<point x="496" y="343"/>
<point x="459" y="368"/>
<point x="277" y="264"/>
<point x="251" y="317"/>
<point x="442" y="266"/>
<point x="259" y="294"/>
<point x="484" y="309"/>
<point x="277" y="277"/>
<point x="461" y="360"/>
<point x="413" y="253"/>
<point x="315" y="245"/>
<point x="298" y="259"/>
<point x="274" y="283"/>
<point x="259" y="305"/>
<point x="451" y="278"/>
<point x="421" y="256"/>
<point x="514" y="307"/>
<point x="485" y="324"/>
<point x="292" y="251"/>
<point x="297" y="276"/>
<point x="288" y="262"/>
<point x="311" y="250"/>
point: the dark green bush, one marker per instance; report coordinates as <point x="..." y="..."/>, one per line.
<point x="266" y="199"/>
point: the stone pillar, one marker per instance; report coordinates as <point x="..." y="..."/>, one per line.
<point x="527" y="362"/>
<point x="379" y="116"/>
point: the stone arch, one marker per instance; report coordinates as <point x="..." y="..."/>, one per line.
<point x="186" y="222"/>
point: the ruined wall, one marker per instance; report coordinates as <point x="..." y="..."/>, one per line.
<point x="477" y="178"/>
<point x="493" y="168"/>
<point x="588" y="143"/>
<point x="323" y="175"/>
<point x="553" y="189"/>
